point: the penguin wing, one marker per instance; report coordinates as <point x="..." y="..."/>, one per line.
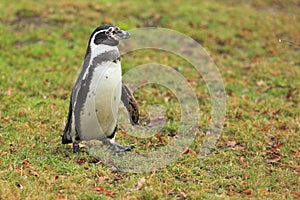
<point x="66" y="137"/>
<point x="130" y="104"/>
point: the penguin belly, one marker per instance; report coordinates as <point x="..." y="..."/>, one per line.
<point x="108" y="97"/>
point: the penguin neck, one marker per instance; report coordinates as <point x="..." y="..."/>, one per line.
<point x="103" y="53"/>
<point x="97" y="50"/>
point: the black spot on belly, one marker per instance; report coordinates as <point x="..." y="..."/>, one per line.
<point x="83" y="86"/>
<point x="115" y="97"/>
<point x="89" y="114"/>
<point x="106" y="77"/>
<point x="96" y="110"/>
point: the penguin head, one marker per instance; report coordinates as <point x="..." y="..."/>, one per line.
<point x="108" y="35"/>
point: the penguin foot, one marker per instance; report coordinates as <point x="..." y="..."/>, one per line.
<point x="76" y="148"/>
<point x="117" y="148"/>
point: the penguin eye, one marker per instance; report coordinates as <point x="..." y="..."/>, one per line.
<point x="108" y="32"/>
<point x="116" y="30"/>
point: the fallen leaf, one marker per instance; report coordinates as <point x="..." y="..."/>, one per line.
<point x="67" y="34"/>
<point x="274" y="160"/>
<point x="137" y="186"/>
<point x="106" y="192"/>
<point x="265" y="128"/>
<point x="36" y="174"/>
<point x="245" y="90"/>
<point x="231" y="188"/>
<point x="102" y="179"/>
<point x="26" y="162"/>
<point x="161" y="140"/>
<point x="248" y="192"/>
<point x="273" y="151"/>
<point x="140" y="183"/>
<point x="63" y="59"/>
<point x="244" y="176"/>
<point x="183" y="194"/>
<point x="99" y="188"/>
<point x="295" y="194"/>
<point x="260" y="83"/>
<point x="241" y="160"/>
<point x="275" y="112"/>
<point x="46" y="82"/>
<point x="148" y="144"/>
<point x="166" y="99"/>
<point x="8" y="91"/>
<point x="245" y="97"/>
<point x="3" y="153"/>
<point x="81" y="161"/>
<point x="272" y="144"/>
<point x="86" y="166"/>
<point x="231" y="143"/>
<point x="6" y="119"/>
<point x="297" y="153"/>
<point x="277" y="145"/>
<point x="256" y="59"/>
<point x="191" y="151"/>
<point x="53" y="106"/>
<point x="240" y="146"/>
<point x="22" y="142"/>
<point x="60" y="197"/>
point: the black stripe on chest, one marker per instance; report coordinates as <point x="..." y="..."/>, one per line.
<point x="83" y="91"/>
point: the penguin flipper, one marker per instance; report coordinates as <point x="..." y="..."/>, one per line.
<point x="66" y="137"/>
<point x="130" y="104"/>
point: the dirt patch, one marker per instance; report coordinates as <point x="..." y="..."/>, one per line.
<point x="26" y="20"/>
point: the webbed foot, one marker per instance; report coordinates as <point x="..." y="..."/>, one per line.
<point x="117" y="148"/>
<point x="76" y="148"/>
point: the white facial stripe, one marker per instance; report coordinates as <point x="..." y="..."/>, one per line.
<point x="104" y="30"/>
<point x="93" y="38"/>
<point x="97" y="50"/>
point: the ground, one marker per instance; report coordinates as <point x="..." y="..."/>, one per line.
<point x="258" y="153"/>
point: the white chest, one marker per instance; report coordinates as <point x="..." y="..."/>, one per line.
<point x="103" y="99"/>
<point x="108" y="90"/>
<point x="100" y="102"/>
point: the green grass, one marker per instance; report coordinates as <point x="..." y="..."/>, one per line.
<point x="257" y="156"/>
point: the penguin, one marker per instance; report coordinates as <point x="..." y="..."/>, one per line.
<point x="98" y="91"/>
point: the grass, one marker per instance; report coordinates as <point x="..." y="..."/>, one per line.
<point x="257" y="156"/>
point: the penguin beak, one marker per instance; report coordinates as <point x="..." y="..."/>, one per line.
<point x="121" y="35"/>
